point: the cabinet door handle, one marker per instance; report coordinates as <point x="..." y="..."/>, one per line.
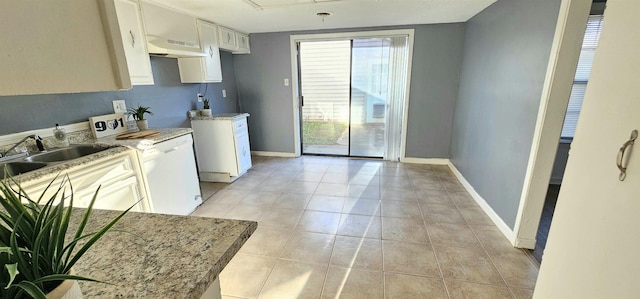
<point x="210" y="51"/>
<point x="620" y="161"/>
<point x="133" y="39"/>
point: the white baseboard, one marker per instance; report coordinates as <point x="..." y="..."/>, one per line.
<point x="434" y="161"/>
<point x="46" y="132"/>
<point x="525" y="243"/>
<point x="273" y="154"/>
<point x="497" y="220"/>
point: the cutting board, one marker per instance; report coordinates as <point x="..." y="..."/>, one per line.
<point x="138" y="135"/>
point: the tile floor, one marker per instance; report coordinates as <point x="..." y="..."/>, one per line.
<point x="349" y="228"/>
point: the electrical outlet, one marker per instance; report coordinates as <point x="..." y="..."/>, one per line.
<point x="286" y="81"/>
<point x="119" y="106"/>
<point x="224" y="93"/>
<point x="200" y="97"/>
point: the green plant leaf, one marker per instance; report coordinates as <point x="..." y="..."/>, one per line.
<point x="13" y="272"/>
<point x="32" y="289"/>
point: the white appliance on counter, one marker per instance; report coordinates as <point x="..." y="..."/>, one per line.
<point x="222" y="146"/>
<point x="172" y="176"/>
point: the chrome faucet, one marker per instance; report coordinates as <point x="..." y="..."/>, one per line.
<point x="34" y="137"/>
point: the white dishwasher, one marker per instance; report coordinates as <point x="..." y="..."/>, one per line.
<point x="222" y="146"/>
<point x="172" y="176"/>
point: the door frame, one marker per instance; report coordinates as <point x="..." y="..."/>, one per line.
<point x="563" y="60"/>
<point x="295" y="38"/>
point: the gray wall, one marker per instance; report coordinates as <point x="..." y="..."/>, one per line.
<point x="168" y="98"/>
<point x="506" y="52"/>
<point x="437" y="58"/>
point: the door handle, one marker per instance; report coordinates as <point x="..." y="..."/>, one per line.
<point x="620" y="161"/>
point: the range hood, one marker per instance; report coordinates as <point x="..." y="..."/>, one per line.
<point x="172" y="48"/>
<point x="170" y="33"/>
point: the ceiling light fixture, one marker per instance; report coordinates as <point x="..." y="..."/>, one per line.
<point x="323" y="15"/>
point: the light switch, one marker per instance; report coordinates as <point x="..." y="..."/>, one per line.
<point x="286" y="81"/>
<point x="224" y="93"/>
<point x="119" y="106"/>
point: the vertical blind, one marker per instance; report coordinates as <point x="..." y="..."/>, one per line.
<point x="589" y="45"/>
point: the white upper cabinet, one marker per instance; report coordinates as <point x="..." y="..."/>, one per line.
<point x="227" y="39"/>
<point x="170" y="32"/>
<point x="134" y="42"/>
<point x="233" y="41"/>
<point x="243" y="44"/>
<point x="207" y="68"/>
<point x="52" y="48"/>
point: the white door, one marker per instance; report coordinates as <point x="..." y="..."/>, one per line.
<point x="593" y="245"/>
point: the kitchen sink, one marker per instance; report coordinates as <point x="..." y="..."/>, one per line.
<point x="16" y="168"/>
<point x="67" y="153"/>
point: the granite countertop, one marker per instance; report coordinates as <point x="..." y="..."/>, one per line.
<point x="224" y="116"/>
<point x="113" y="148"/>
<point x="161" y="256"/>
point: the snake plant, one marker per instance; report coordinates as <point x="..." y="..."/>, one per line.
<point x="34" y="256"/>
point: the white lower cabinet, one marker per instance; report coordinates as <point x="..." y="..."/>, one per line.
<point x="119" y="179"/>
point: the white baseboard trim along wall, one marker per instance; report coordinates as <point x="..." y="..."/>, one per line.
<point x="434" y="161"/>
<point x="502" y="226"/>
<point x="273" y="154"/>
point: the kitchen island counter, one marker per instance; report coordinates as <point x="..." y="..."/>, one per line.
<point x="160" y="256"/>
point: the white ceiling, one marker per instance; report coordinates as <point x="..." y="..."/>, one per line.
<point x="252" y="16"/>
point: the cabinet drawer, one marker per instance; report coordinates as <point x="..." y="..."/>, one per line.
<point x="240" y="127"/>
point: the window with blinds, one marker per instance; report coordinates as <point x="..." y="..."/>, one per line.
<point x="589" y="45"/>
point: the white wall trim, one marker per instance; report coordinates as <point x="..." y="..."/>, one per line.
<point x="565" y="51"/>
<point x="273" y="154"/>
<point x="46" y="132"/>
<point x="433" y="161"/>
<point x="295" y="38"/>
<point x="502" y="226"/>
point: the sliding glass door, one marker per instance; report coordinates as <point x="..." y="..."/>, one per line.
<point x="345" y="87"/>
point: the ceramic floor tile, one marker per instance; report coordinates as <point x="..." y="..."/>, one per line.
<point x="229" y="196"/>
<point x="516" y="268"/>
<point x="364" y="179"/>
<point x="436" y="213"/>
<point x="433" y="196"/>
<point x="335" y="178"/>
<point x="267" y="242"/>
<point x="409" y="258"/>
<point x="353" y="283"/>
<point x="326" y="203"/>
<point x="392" y="172"/>
<point x="260" y="198"/>
<point x="338" y="169"/>
<point x="400" y="209"/>
<point x="453" y="186"/>
<point x="452" y="234"/>
<point x="273" y="185"/>
<point x="331" y="189"/>
<point x="363" y="191"/>
<point x="292" y="201"/>
<point x="463" y="290"/>
<point x="395" y="182"/>
<point x="492" y="238"/>
<point x="426" y="183"/>
<point x="245" y="212"/>
<point x="300" y="187"/>
<point x="309" y="177"/>
<point x="399" y="286"/>
<point x="294" y="280"/>
<point x="319" y="222"/>
<point x="234" y="280"/>
<point x="398" y="194"/>
<point x="280" y="218"/>
<point x="462" y="198"/>
<point x="361" y="206"/>
<point x="212" y="209"/>
<point x="309" y="247"/>
<point x="244" y="184"/>
<point x="360" y="253"/>
<point x="409" y="230"/>
<point x="315" y="168"/>
<point x="207" y="189"/>
<point x="360" y="226"/>
<point x="474" y="215"/>
<point x="522" y="293"/>
<point x="468" y="264"/>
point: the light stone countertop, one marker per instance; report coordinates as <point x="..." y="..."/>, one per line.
<point x="224" y="116"/>
<point x="113" y="146"/>
<point x="160" y="256"/>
